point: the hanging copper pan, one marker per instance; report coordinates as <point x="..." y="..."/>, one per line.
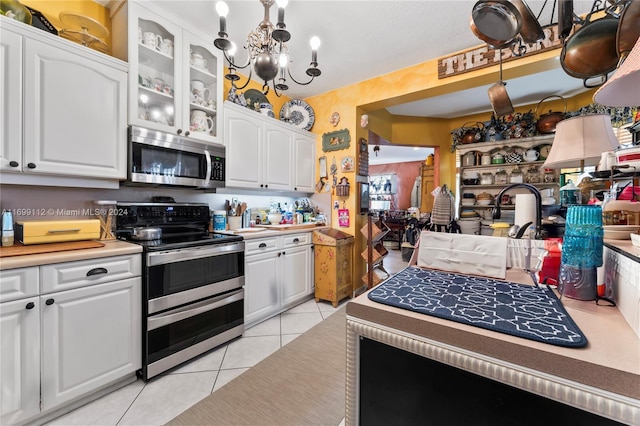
<point x="591" y="52"/>
<point x="499" y="97"/>
<point x="531" y="31"/>
<point x="497" y="23"/>
<point x="565" y="18"/>
<point x="628" y="29"/>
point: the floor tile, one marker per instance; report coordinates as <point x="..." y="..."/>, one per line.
<point x="248" y="351"/>
<point x="107" y="410"/>
<point x="269" y="327"/>
<point x="305" y="307"/>
<point x="299" y="323"/>
<point x="225" y="376"/>
<point x="209" y="361"/>
<point x="164" y="397"/>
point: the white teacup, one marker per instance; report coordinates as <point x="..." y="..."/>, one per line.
<point x="531" y="155"/>
<point x="166" y="47"/>
<point x="198" y="61"/>
<point x="151" y="40"/>
<point x="200" y="93"/>
<point x="200" y="121"/>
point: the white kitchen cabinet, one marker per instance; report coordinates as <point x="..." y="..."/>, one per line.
<point x="74" y="330"/>
<point x="64" y="112"/>
<point x="91" y="337"/>
<point x="304" y="162"/>
<point x="174" y="73"/>
<point x="278" y="275"/>
<point x="19" y="360"/>
<point x="263" y="153"/>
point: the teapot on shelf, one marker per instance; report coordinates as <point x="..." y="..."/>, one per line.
<point x="531" y="155"/>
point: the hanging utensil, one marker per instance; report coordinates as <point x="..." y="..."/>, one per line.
<point x="497" y="23"/>
<point x="546" y="123"/>
<point x="530" y="28"/>
<point x="628" y="30"/>
<point x="499" y="97"/>
<point x="565" y="18"/>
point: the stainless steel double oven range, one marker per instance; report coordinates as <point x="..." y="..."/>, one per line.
<point x="193" y="296"/>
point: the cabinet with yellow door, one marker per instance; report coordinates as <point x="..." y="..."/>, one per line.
<point x="333" y="265"/>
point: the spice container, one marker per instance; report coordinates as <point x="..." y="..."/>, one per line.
<point x="533" y="175"/>
<point x="486" y="178"/>
<point x="501" y="177"/>
<point x="516" y="175"/>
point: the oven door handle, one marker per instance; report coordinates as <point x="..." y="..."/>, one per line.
<point x="193" y="309"/>
<point x="191" y="253"/>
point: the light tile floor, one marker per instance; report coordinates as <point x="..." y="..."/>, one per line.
<point x="168" y="395"/>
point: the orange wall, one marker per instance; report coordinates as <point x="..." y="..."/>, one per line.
<point x="406" y="174"/>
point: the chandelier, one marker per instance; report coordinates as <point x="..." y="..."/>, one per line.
<point x="268" y="55"/>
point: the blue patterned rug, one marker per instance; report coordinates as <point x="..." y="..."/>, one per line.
<point x="527" y="311"/>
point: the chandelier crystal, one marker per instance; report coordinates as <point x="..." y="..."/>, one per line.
<point x="268" y="55"/>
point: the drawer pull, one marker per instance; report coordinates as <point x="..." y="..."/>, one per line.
<point x="280" y="254"/>
<point x="262" y="245"/>
<point x="97" y="271"/>
<point x="60" y="231"/>
<point x="296" y="240"/>
<point x="49" y="302"/>
<point x="30" y="305"/>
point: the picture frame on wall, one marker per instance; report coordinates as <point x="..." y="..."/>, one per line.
<point x="335" y="141"/>
<point x="323" y="167"/>
<point x="347" y="164"/>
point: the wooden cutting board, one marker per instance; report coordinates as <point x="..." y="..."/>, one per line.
<point x="287" y="227"/>
<point x="18" y="249"/>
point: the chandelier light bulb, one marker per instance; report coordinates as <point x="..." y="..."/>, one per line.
<point x="282" y="3"/>
<point x="222" y="9"/>
<point x="283" y="60"/>
<point x="315" y="43"/>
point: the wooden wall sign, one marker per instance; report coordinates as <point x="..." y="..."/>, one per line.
<point x="483" y="57"/>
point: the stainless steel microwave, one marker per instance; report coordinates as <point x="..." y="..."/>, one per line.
<point x="157" y="158"/>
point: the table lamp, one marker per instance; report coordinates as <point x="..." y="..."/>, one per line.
<point x="580" y="141"/>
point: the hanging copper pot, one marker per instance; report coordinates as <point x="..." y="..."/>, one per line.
<point x="499" y="97"/>
<point x="565" y="18"/>
<point x="628" y="29"/>
<point x="591" y="52"/>
<point x="546" y="123"/>
<point x="531" y="31"/>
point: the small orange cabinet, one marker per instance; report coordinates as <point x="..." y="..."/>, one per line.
<point x="333" y="265"/>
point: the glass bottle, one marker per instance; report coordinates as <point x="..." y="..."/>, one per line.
<point x="533" y="175"/>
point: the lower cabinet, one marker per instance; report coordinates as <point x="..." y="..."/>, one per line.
<point x="278" y="275"/>
<point x="60" y="346"/>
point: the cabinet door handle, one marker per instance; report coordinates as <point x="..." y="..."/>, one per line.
<point x="280" y="254"/>
<point x="266" y="186"/>
<point x="31" y="165"/>
<point x="30" y="305"/>
<point x="187" y="133"/>
<point x="261" y="186"/>
<point x="97" y="271"/>
<point x="295" y="240"/>
<point x="262" y="245"/>
<point x="49" y="302"/>
<point x="14" y="163"/>
<point x="284" y="252"/>
<point x="179" y="131"/>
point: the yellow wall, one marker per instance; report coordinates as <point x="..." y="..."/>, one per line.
<point x="51" y="10"/>
<point x="406" y="85"/>
<point x="274" y="100"/>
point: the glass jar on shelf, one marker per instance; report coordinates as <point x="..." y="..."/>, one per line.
<point x="549" y="176"/>
<point x="533" y="175"/>
<point x="486" y="178"/>
<point x="501" y="177"/>
<point x="516" y="175"/>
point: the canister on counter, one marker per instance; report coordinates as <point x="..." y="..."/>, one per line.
<point x="219" y="220"/>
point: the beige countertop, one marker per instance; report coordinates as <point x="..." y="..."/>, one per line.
<point x="625" y="247"/>
<point x="111" y="248"/>
<point x="610" y="361"/>
<point x="264" y="232"/>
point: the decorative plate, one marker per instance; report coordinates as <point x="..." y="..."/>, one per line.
<point x="255" y="97"/>
<point x="302" y="114"/>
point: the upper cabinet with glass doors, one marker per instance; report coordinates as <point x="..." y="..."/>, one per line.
<point x="175" y="75"/>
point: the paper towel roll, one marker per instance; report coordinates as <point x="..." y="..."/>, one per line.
<point x="525" y="209"/>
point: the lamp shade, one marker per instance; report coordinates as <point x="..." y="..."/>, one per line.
<point x="580" y="141"/>
<point x="623" y="89"/>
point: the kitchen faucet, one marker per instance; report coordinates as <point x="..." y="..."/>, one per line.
<point x="540" y="233"/>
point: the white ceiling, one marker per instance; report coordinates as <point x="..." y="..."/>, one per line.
<point x="362" y="39"/>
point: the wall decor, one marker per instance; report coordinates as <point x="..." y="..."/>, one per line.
<point x="335" y="141"/>
<point x="335" y="119"/>
<point x="363" y="157"/>
<point x="364" y="120"/>
<point x="343" y="218"/>
<point x="347" y="164"/>
<point x="323" y="167"/>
